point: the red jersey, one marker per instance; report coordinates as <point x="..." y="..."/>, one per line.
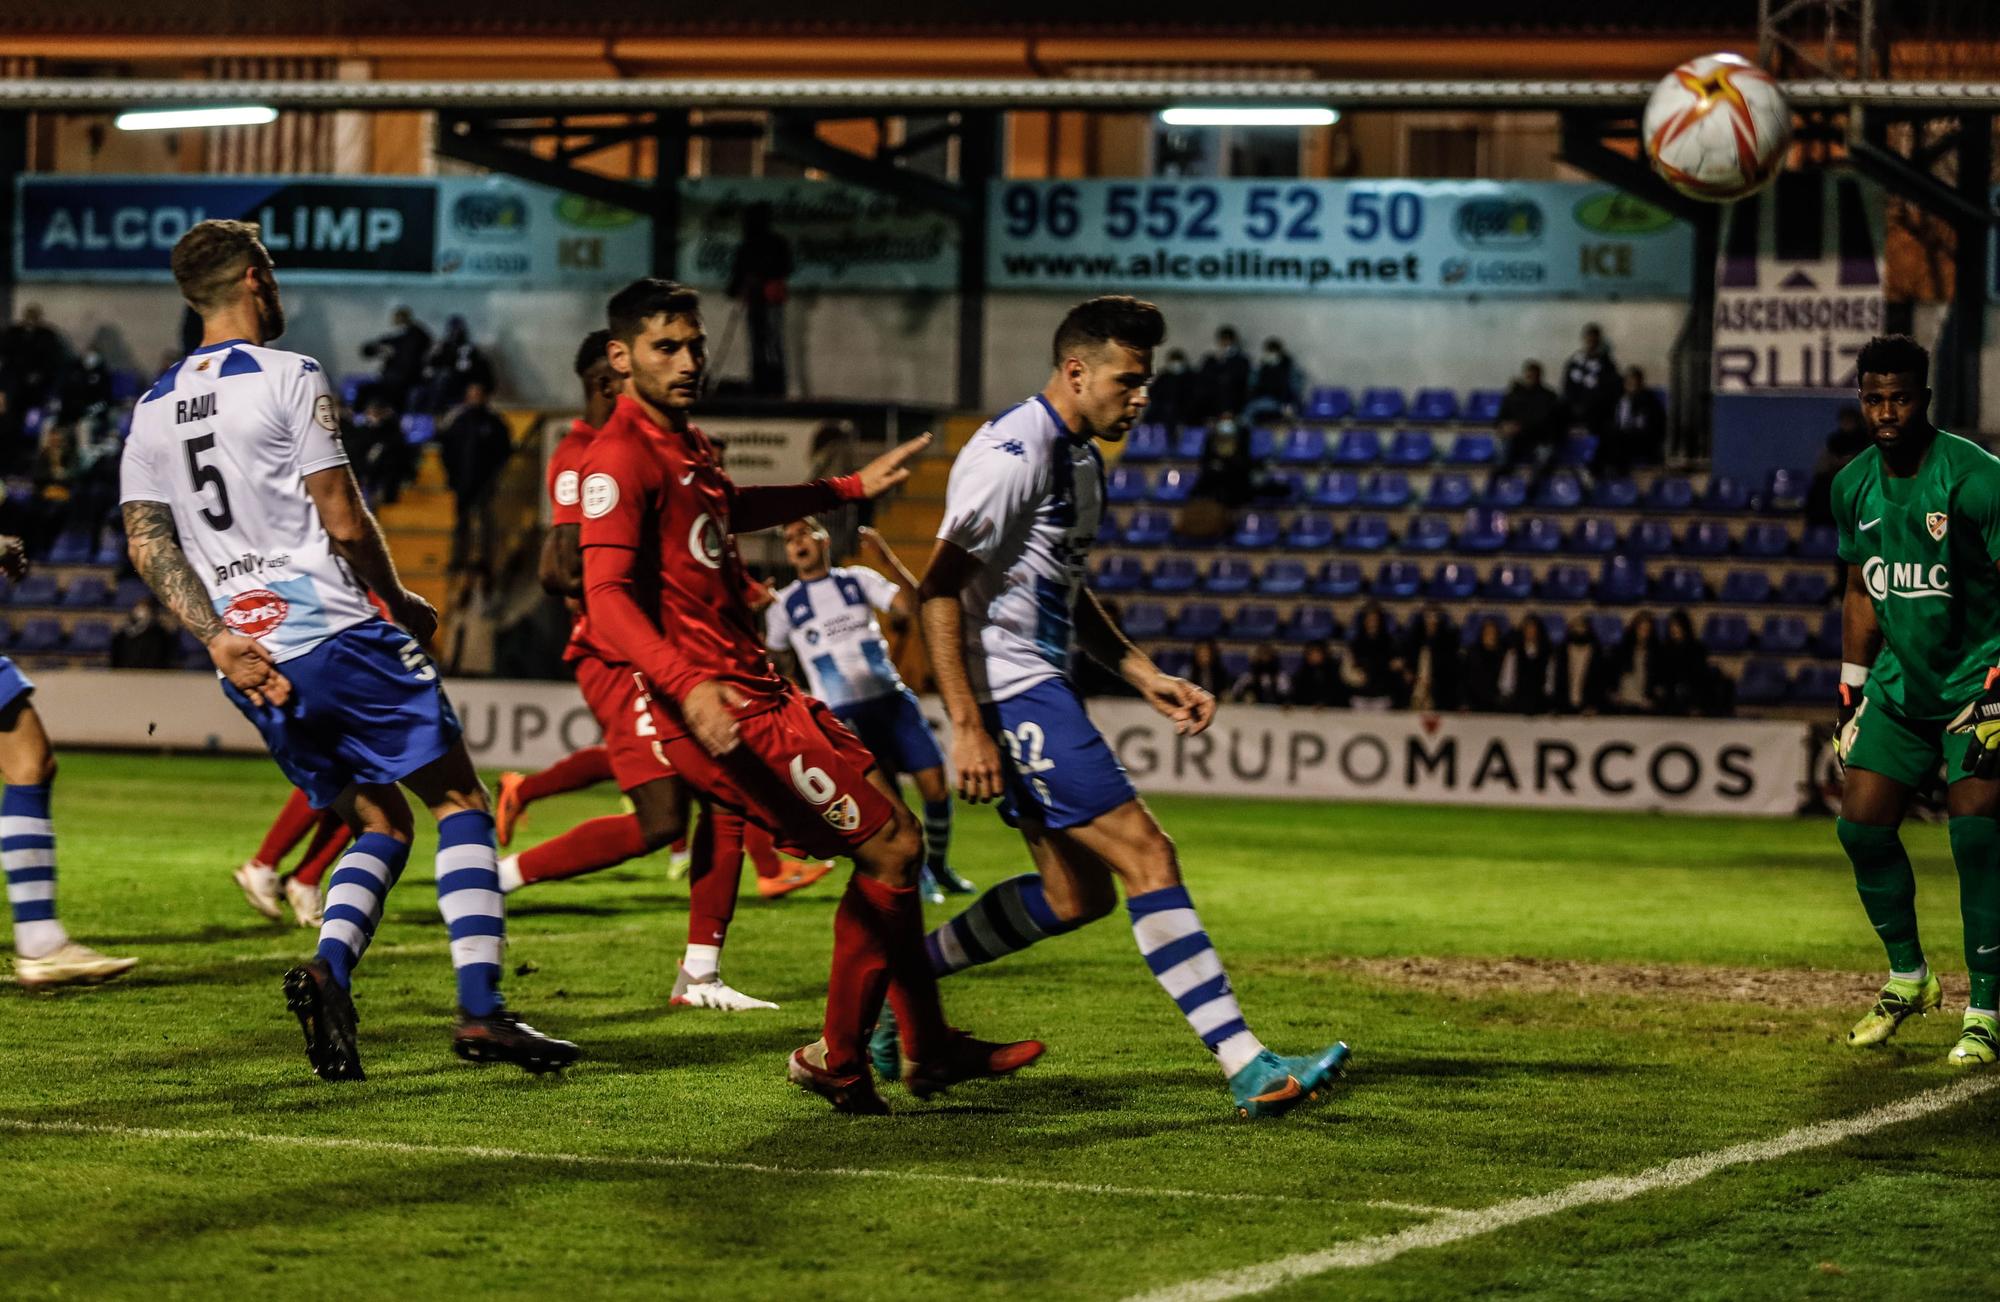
<point x="667" y="589"/>
<point x="565" y="473"/>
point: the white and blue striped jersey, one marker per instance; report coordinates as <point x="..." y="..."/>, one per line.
<point x="829" y="624"/>
<point x="1025" y="497"/>
<point x="226" y="438"/>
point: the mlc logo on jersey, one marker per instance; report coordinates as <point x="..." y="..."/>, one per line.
<point x="705" y="541"/>
<point x="566" y="488"/>
<point x="1887" y="579"/>
<point x="256" y="612"/>
<point x="600" y="494"/>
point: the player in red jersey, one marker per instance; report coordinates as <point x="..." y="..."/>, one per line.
<point x="668" y="592"/>
<point x="259" y="877"/>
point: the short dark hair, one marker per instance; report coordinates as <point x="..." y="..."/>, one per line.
<point x="591" y="351"/>
<point x="210" y="259"/>
<point x="642" y="300"/>
<point x="1894" y="355"/>
<point x="1110" y="318"/>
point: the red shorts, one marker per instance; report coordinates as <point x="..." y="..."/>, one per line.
<point x="623" y="705"/>
<point x="799" y="774"/>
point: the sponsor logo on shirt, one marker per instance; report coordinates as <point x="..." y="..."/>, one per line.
<point x="600" y="494"/>
<point x="566" y="488"/>
<point x="1887" y="579"/>
<point x="256" y="612"/>
<point x="705" y="541"/>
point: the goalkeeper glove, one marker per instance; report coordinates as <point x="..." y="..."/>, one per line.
<point x="1852" y="703"/>
<point x="1982" y="720"/>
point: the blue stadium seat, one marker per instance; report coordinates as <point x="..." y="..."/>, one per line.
<point x="110" y="548"/>
<point x="1310" y="531"/>
<point x="1312" y="624"/>
<point x="1609" y="628"/>
<point x="1282" y="578"/>
<point x="1174" y="486"/>
<point x="1146" y="443"/>
<point x="38" y="589"/>
<point x="1680" y="584"/>
<point x="1745" y="588"/>
<point x="1366" y="533"/>
<point x="1785" y="491"/>
<point x="1397" y="580"/>
<point x="1434" y="405"/>
<point x="1263" y="444"/>
<point x="1173" y="660"/>
<point x="1594" y="536"/>
<point x="131" y="591"/>
<point x="1468" y="632"/>
<point x="1726" y="635"/>
<point x="1285" y="487"/>
<point x="1198" y="621"/>
<point x="1409" y="449"/>
<point x="1725" y="493"/>
<point x="126" y="385"/>
<point x="1427" y="533"/>
<point x="1705" y="538"/>
<point x="1482" y="406"/>
<point x="1618" y="494"/>
<point x="419" y="429"/>
<point x="86" y="592"/>
<point x="1621" y="581"/>
<point x="1387" y="491"/>
<point x="1815" y="684"/>
<point x="1337" y="489"/>
<point x="1820" y="542"/>
<point x="1783" y="635"/>
<point x="1473" y="450"/>
<point x="91" y="637"/>
<point x="1190" y="443"/>
<point x="1337" y="579"/>
<point x="1329" y="402"/>
<point x="1227" y="576"/>
<point x="1762" y="682"/>
<point x="1555" y="626"/>
<point x="351" y="387"/>
<point x="1766" y="539"/>
<point x="1254" y="623"/>
<point x="1149" y="529"/>
<point x="1109" y="531"/>
<point x="1380" y="405"/>
<point x="1235" y="664"/>
<point x="1650" y="538"/>
<point x="39" y="636"/>
<point x="1113" y="574"/>
<point x="1125" y="485"/>
<point x="1566" y="583"/>
<point x="1144" y="619"/>
<point x="1826" y="642"/>
<point x="1484" y="531"/>
<point x="1509" y="492"/>
<point x="1303" y="446"/>
<point x="1358" y="447"/>
<point x="1560" y="492"/>
<point x="72" y="547"/>
<point x="1537" y="535"/>
<point x="1670" y="493"/>
<point x="1174" y="574"/>
<point x="1454" y="582"/>
<point x="1577" y="450"/>
<point x="1256" y="529"/>
<point x="1805" y="588"/>
<point x="1510" y="581"/>
<point x="1450" y="491"/>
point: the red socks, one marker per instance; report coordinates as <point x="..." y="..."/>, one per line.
<point x="716" y="874"/>
<point x="584" y="768"/>
<point x="762" y="850"/>
<point x="878" y="945"/>
<point x="293" y="822"/>
<point x="590" y="845"/>
<point x="330" y="838"/>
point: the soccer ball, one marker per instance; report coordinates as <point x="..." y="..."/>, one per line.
<point x="1716" y="128"/>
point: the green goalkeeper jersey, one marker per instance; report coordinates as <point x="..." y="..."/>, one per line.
<point x="1926" y="548"/>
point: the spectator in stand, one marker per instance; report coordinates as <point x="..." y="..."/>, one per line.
<point x="95" y="452"/>
<point x="1428" y="662"/>
<point x="84" y="386"/>
<point x="1206" y="672"/>
<point x="148" y="639"/>
<point x="757" y="277"/>
<point x="1590" y="383"/>
<point x="1637" y="433"/>
<point x="455" y="363"/>
<point x="1264" y="682"/>
<point x="401" y="355"/>
<point x="1847" y="442"/>
<point x="1534" y="687"/>
<point x="1369" y="669"/>
<point x="1277" y="386"/>
<point x="1228" y="475"/>
<point x="476" y="445"/>
<point x="1488" y="668"/>
<point x="1171" y="399"/>
<point x="1225" y="377"/>
<point x="1687" y="682"/>
<point x="1586" y="669"/>
<point x="1531" y="420"/>
<point x="1635" y="667"/>
<point x="33" y="360"/>
<point x="1317" y="683"/>
<point x="382" y="457"/>
<point x="51" y="475"/>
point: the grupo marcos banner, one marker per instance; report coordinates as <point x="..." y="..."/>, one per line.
<point x="841" y="236"/>
<point x="461" y="230"/>
<point x="1453" y="238"/>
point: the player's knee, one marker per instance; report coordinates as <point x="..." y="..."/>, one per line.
<point x="660" y="828"/>
<point x="42" y="770"/>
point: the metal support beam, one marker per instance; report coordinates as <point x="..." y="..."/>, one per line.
<point x="671" y="134"/>
<point x="793" y="136"/>
<point x="1893" y="173"/>
<point x="979" y="154"/>
<point x="464" y="138"/>
<point x="1965" y="328"/>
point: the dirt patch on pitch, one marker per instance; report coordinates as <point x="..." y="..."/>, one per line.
<point x="1786" y="988"/>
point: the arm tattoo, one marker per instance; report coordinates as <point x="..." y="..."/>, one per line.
<point x="156" y="554"/>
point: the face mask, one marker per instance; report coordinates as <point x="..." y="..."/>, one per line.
<point x="1272" y="359"/>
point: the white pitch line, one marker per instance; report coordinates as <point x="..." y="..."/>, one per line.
<point x="1458" y="1226"/>
<point x="1415" y="1209"/>
<point x="339" y="1143"/>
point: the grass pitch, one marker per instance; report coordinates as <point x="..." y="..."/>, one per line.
<point x="674" y="1160"/>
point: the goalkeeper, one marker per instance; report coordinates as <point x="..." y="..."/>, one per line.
<point x="1919" y="518"/>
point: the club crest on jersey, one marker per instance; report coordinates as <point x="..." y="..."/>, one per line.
<point x="600" y="494"/>
<point x="705" y="541"/>
<point x="843" y="814"/>
<point x="256" y="612"/>
<point x="1935" y="522"/>
<point x="566" y="490"/>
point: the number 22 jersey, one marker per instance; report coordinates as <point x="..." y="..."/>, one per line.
<point x="226" y="437"/>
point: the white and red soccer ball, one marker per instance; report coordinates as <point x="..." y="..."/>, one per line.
<point x="1716" y="128"/>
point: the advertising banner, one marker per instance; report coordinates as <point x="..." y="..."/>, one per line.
<point x="497" y="230"/>
<point x="841" y="236"/>
<point x="1542" y="239"/>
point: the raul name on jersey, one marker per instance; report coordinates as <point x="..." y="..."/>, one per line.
<point x="1886" y="578"/>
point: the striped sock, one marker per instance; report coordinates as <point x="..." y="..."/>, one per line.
<point x="469" y="897"/>
<point x="361" y="881"/>
<point x="28" y="856"/>
<point x="1184" y="963"/>
<point x="1008" y="917"/>
<point x="937" y="832"/>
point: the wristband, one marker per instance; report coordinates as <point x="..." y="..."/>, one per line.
<point x="1853" y="675"/>
<point x="848" y="488"/>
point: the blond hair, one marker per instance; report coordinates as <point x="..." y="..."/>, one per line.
<point x="210" y="259"/>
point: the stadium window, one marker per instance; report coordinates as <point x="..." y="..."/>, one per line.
<point x="1226" y="151"/>
<point x="1447" y="152"/>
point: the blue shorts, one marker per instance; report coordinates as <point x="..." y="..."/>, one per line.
<point x="367" y="706"/>
<point x="13" y="683"/>
<point x="893" y="729"/>
<point x="1060" y="772"/>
